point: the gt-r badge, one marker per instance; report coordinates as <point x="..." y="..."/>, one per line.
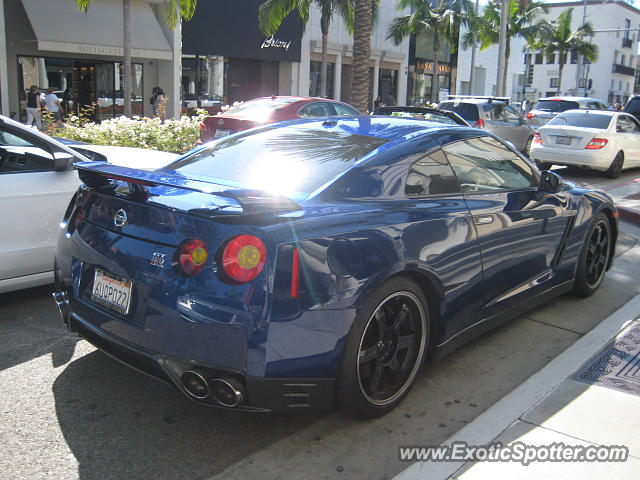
<point x="221" y="122"/>
<point x="158" y="259"/>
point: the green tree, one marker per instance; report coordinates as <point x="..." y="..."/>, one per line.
<point x="557" y="36"/>
<point x="273" y="12"/>
<point x="521" y="15"/>
<point x="173" y="11"/>
<point x="443" y="21"/>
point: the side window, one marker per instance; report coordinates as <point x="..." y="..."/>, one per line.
<point x="343" y="109"/>
<point x="484" y="164"/>
<point x="626" y="125"/>
<point x="511" y="115"/>
<point x="18" y="154"/>
<point x="498" y="113"/>
<point x="430" y="175"/>
<point x="315" y="109"/>
<point x="636" y="125"/>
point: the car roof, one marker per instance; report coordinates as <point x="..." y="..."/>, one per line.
<point x="572" y="99"/>
<point x="475" y="101"/>
<point x="587" y="111"/>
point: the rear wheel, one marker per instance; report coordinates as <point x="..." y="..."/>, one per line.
<point x="594" y="258"/>
<point x="384" y="350"/>
<point x="615" y="169"/>
<point x="527" y="147"/>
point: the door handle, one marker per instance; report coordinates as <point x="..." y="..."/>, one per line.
<point x="483" y="219"/>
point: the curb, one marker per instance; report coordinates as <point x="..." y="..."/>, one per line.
<point x="629" y="215"/>
<point x="497" y="418"/>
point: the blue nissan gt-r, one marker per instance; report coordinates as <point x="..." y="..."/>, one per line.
<point x="317" y="263"/>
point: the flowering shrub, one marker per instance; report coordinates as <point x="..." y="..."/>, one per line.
<point x="177" y="136"/>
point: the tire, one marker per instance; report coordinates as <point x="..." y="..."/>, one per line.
<point x="594" y="258"/>
<point x="544" y="165"/>
<point x="384" y="350"/>
<point x="615" y="169"/>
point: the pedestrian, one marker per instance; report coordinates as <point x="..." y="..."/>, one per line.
<point x="52" y="102"/>
<point x="161" y="104"/>
<point x="153" y="100"/>
<point x="66" y="100"/>
<point x="526" y="106"/>
<point x="33" y="107"/>
<point x="376" y="103"/>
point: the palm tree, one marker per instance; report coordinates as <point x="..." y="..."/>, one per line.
<point x="173" y="11"/>
<point x="443" y="21"/>
<point x="521" y="16"/>
<point x="272" y="13"/>
<point x="362" y="27"/>
<point x="557" y="36"/>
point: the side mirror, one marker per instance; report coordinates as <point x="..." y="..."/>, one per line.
<point x="550" y="182"/>
<point x="62" y="161"/>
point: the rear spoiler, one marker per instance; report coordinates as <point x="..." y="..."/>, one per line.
<point x="104" y="175"/>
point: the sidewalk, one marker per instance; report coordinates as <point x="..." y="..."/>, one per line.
<point x="627" y="198"/>
<point x="587" y="396"/>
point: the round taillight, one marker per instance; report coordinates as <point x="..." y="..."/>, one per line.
<point x="243" y="258"/>
<point x="192" y="257"/>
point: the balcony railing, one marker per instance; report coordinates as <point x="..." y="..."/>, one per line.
<point x="627" y="43"/>
<point x="623" y="70"/>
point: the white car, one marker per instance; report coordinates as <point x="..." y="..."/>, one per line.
<point x="603" y="140"/>
<point x="37" y="181"/>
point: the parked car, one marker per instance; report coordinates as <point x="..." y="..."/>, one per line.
<point x="37" y="180"/>
<point x="423" y="113"/>
<point x="495" y="116"/>
<point x="604" y="140"/>
<point x="209" y="102"/>
<point x="547" y="108"/>
<point x="318" y="262"/>
<point x="633" y="106"/>
<point x="260" y="111"/>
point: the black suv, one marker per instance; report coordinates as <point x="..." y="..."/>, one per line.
<point x="633" y="106"/>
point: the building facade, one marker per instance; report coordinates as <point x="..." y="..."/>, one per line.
<point x="224" y="48"/>
<point x="52" y="44"/>
<point x="532" y="73"/>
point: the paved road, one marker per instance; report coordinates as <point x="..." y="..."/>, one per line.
<point x="68" y="411"/>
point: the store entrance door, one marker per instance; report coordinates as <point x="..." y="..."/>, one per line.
<point x="84" y="89"/>
<point x="247" y="79"/>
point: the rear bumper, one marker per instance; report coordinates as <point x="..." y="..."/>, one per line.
<point x="594" y="159"/>
<point x="259" y="393"/>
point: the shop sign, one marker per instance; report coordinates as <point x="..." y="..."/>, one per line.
<point x="427" y="67"/>
<point x="271" y="42"/>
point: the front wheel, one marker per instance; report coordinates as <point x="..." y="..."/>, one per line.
<point x="594" y="259"/>
<point x="384" y="350"/>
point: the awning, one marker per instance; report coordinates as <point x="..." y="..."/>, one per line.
<point x="60" y="27"/>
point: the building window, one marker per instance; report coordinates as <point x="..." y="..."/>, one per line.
<point x="314" y="79"/>
<point x="627" y="25"/>
<point x="538" y="58"/>
<point x="551" y="59"/>
<point x="622" y="60"/>
<point x="527" y="59"/>
<point x="574" y="58"/>
<point x="554" y="83"/>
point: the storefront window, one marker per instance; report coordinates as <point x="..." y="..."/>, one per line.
<point x="202" y="80"/>
<point x="420" y="87"/>
<point x="387" y="85"/>
<point x="92" y="88"/>
<point x="314" y="79"/>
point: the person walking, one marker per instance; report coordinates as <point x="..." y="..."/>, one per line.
<point x="52" y="102"/>
<point x="33" y="107"/>
<point x="161" y="104"/>
<point x="154" y="100"/>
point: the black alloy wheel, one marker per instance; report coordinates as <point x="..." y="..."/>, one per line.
<point x="594" y="260"/>
<point x="385" y="350"/>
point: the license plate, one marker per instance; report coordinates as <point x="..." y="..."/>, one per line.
<point x="111" y="291"/>
<point x="220" y="133"/>
<point x="563" y="140"/>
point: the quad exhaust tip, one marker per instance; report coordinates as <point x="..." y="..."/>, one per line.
<point x="226" y="391"/>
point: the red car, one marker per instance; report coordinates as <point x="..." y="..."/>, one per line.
<point x="270" y="110"/>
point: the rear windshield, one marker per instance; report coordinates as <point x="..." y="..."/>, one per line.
<point x="259" y="108"/>
<point x="468" y="111"/>
<point x="556" y="105"/>
<point x="292" y="160"/>
<point x="585" y="120"/>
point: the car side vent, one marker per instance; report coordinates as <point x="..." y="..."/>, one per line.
<point x="329" y="123"/>
<point x="299" y="395"/>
